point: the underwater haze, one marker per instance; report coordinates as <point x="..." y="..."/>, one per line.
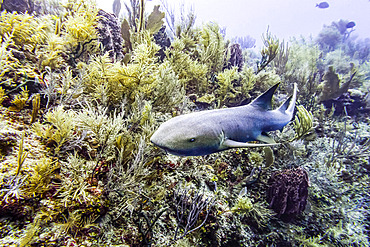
<point x="285" y="18"/>
<point x="152" y="123"/>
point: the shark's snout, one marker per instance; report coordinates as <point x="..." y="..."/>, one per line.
<point x="156" y="140"/>
<point x="164" y="147"/>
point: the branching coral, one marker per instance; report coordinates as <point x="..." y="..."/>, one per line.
<point x="27" y="31"/>
<point x="35" y="107"/>
<point x="269" y="52"/>
<point x="80" y="27"/>
<point x="169" y="91"/>
<point x="59" y="129"/>
<point x="126" y="181"/>
<point x="21" y="157"/>
<point x="28" y="34"/>
<point x="62" y="88"/>
<point x="212" y="49"/>
<point x="145" y="223"/>
<point x="301" y="67"/>
<point x="40" y="180"/>
<point x="2" y="95"/>
<point x="103" y="127"/>
<point x="303" y="122"/>
<point x="7" y="60"/>
<point x="191" y="73"/>
<point x="225" y="81"/>
<point x="254" y="211"/>
<point x="188" y="210"/>
<point x="76" y="185"/>
<point x="52" y="52"/>
<point x="117" y="81"/>
<point x="329" y="38"/>
<point x="19" y="100"/>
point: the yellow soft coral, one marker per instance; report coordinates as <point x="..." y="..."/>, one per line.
<point x="81" y="22"/>
<point x="25" y="29"/>
<point x="112" y="81"/>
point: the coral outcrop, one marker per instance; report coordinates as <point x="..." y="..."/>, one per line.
<point x="352" y="103"/>
<point x="20" y="6"/>
<point x="110" y="34"/>
<point x="163" y="41"/>
<point x="332" y="87"/>
<point x="288" y="191"/>
<point x="236" y="57"/>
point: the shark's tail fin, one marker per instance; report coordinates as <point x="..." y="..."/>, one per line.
<point x="288" y="106"/>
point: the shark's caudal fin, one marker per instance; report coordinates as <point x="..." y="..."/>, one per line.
<point x="288" y="106"/>
<point x="264" y="100"/>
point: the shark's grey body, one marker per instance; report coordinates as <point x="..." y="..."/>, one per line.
<point x="206" y="132"/>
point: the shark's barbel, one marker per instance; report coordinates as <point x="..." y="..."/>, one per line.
<point x="206" y="132"/>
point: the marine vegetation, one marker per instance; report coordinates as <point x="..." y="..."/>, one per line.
<point x="82" y="92"/>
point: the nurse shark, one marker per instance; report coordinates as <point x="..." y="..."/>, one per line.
<point x="211" y="131"/>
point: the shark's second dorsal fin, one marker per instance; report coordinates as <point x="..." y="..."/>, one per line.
<point x="285" y="105"/>
<point x="264" y="100"/>
<point x="288" y="106"/>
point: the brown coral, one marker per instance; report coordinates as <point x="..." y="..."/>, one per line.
<point x="288" y="191"/>
<point x="110" y="34"/>
<point x="236" y="57"/>
<point x="20" y="6"/>
<point x="332" y="87"/>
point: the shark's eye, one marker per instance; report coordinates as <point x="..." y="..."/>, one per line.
<point x="192" y="140"/>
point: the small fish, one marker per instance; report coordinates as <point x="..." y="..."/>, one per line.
<point x="350" y="24"/>
<point x="322" y="5"/>
<point x="206" y="132"/>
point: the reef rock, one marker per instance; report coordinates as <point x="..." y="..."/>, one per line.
<point x="236" y="57"/>
<point x="163" y="41"/>
<point x="110" y="34"/>
<point x="288" y="191"/>
<point x="352" y="103"/>
<point x="20" y="6"/>
<point x="332" y="87"/>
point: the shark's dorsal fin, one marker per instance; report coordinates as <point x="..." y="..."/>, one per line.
<point x="289" y="104"/>
<point x="285" y="105"/>
<point x="264" y="100"/>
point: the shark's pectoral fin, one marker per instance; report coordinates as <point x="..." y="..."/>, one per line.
<point x="265" y="138"/>
<point x="235" y="144"/>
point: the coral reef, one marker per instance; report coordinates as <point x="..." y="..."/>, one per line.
<point x="81" y="94"/>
